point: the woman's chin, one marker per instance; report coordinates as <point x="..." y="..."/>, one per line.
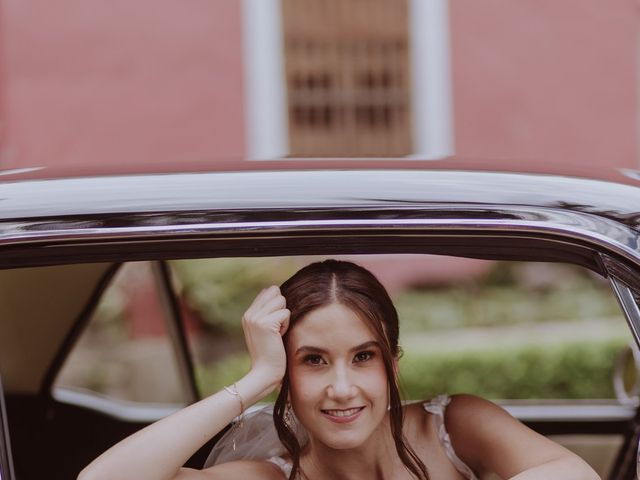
<point x="344" y="440"/>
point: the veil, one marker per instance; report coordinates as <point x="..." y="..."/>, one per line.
<point x="257" y="439"/>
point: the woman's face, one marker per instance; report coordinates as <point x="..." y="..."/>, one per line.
<point x="338" y="383"/>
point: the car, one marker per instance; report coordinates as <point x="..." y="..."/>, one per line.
<point x="63" y="241"/>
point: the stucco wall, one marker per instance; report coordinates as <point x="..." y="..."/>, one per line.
<point x="547" y="80"/>
<point x="143" y="81"/>
<point x="536" y="84"/>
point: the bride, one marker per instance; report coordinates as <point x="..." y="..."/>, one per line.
<point x="328" y="339"/>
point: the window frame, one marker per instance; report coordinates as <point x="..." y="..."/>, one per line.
<point x="432" y="121"/>
<point x="6" y="459"/>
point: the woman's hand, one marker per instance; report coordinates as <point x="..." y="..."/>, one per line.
<point x="264" y="323"/>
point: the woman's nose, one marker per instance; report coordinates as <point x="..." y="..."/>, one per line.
<point x="341" y="385"/>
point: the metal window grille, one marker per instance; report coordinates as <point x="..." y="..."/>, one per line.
<point x="347" y="74"/>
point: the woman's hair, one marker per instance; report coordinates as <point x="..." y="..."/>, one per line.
<point x="332" y="281"/>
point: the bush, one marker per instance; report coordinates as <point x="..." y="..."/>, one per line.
<point x="571" y="370"/>
<point x="488" y="305"/>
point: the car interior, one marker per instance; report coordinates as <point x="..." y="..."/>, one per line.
<point x="52" y="308"/>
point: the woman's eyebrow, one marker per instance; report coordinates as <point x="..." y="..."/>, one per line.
<point x="365" y="345"/>
<point x="311" y="349"/>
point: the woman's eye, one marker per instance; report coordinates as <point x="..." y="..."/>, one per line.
<point x="363" y="356"/>
<point x="313" y="360"/>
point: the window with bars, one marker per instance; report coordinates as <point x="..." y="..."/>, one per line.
<point x="347" y="76"/>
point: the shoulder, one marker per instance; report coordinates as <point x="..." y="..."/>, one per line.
<point x="489" y="439"/>
<point x="477" y="427"/>
<point x="471" y="410"/>
<point x="246" y="469"/>
<point x="473" y="418"/>
<point x="466" y="417"/>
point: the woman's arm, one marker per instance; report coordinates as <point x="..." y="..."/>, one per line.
<point x="562" y="468"/>
<point x="158" y="451"/>
<point x="488" y="439"/>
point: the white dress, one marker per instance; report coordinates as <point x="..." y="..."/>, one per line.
<point x="436" y="407"/>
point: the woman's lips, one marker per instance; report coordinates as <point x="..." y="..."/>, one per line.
<point x="344" y="415"/>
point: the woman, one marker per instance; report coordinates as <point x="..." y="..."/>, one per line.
<point x="329" y="338"/>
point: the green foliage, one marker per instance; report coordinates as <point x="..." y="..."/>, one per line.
<point x="492" y="305"/>
<point x="222" y="289"/>
<point x="569" y="370"/>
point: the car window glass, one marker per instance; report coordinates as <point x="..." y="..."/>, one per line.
<point x="504" y="330"/>
<point x="124" y="352"/>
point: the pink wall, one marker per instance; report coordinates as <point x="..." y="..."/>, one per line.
<point x="545" y="81"/>
<point x="119" y="81"/>
<point x="137" y="85"/>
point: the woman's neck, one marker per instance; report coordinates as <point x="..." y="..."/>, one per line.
<point x="376" y="458"/>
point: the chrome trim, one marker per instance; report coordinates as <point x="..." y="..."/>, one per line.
<point x="18" y="171"/>
<point x="570" y="413"/>
<point x="285" y="226"/>
<point x="120" y="409"/>
<point x="619" y="238"/>
<point x="629" y="307"/>
<point x="638" y="461"/>
<point x="6" y="457"/>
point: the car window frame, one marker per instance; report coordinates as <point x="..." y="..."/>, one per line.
<point x="6" y="459"/>
<point x="466" y="243"/>
<point x="474" y="241"/>
<point x="625" y="283"/>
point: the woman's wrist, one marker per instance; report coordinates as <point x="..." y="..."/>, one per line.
<point x="255" y="386"/>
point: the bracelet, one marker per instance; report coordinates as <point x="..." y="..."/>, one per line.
<point x="233" y="390"/>
<point x="236" y="394"/>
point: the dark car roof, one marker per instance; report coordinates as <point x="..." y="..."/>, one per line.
<point x="66" y="213"/>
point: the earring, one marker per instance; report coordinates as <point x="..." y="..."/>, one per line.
<point x="288" y="416"/>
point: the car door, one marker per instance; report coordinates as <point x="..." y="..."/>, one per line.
<point x="626" y="285"/>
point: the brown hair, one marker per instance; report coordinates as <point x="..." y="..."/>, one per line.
<point x="333" y="281"/>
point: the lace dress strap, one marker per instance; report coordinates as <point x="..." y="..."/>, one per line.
<point x="437" y="408"/>
<point x="282" y="464"/>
